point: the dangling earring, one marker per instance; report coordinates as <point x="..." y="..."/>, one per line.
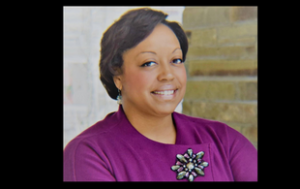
<point x="119" y="98"/>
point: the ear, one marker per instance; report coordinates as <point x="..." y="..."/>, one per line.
<point x="118" y="82"/>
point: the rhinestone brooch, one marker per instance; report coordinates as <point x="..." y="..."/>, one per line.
<point x="189" y="165"/>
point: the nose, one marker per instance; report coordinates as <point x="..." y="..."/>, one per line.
<point x="165" y="72"/>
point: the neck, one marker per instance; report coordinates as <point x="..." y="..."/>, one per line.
<point x="160" y="129"/>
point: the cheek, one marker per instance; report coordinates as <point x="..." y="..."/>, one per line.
<point x="182" y="78"/>
<point x="137" y="81"/>
<point x="181" y="75"/>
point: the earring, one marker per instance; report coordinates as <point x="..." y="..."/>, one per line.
<point x="119" y="98"/>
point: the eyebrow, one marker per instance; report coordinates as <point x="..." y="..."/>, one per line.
<point x="154" y="52"/>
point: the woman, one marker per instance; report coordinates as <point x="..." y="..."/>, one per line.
<point x="142" y="66"/>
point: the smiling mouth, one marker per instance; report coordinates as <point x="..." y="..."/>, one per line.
<point x="166" y="92"/>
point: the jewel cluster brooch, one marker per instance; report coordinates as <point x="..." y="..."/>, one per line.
<point x="189" y="165"/>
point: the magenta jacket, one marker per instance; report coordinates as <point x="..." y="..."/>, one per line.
<point x="205" y="150"/>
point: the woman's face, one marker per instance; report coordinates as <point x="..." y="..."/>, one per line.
<point x="154" y="77"/>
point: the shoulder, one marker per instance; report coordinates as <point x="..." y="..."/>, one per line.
<point x="90" y="137"/>
<point x="87" y="152"/>
<point x="210" y="131"/>
<point x="238" y="151"/>
<point x="85" y="156"/>
<point x="230" y="144"/>
<point x="205" y="124"/>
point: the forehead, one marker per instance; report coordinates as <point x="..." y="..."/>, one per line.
<point x="161" y="38"/>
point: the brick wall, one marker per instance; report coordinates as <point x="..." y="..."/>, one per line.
<point x="222" y="66"/>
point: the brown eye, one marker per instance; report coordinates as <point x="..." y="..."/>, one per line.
<point x="177" y="61"/>
<point x="148" y="64"/>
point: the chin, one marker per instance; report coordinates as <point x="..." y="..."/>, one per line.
<point x="164" y="109"/>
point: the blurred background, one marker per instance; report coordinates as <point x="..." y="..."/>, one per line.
<point x="221" y="65"/>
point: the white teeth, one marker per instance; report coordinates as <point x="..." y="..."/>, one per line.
<point x="164" y="92"/>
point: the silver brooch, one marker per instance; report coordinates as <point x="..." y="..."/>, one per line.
<point x="189" y="165"/>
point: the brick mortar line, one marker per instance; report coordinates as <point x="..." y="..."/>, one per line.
<point x="192" y="57"/>
<point x="223" y="78"/>
<point x="217" y="26"/>
<point x="219" y="46"/>
<point x="254" y="102"/>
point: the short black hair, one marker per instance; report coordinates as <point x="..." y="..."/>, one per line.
<point x="132" y="28"/>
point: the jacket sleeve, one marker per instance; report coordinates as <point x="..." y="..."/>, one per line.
<point x="242" y="157"/>
<point x="82" y="162"/>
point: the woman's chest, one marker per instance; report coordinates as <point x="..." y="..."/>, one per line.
<point x="200" y="162"/>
